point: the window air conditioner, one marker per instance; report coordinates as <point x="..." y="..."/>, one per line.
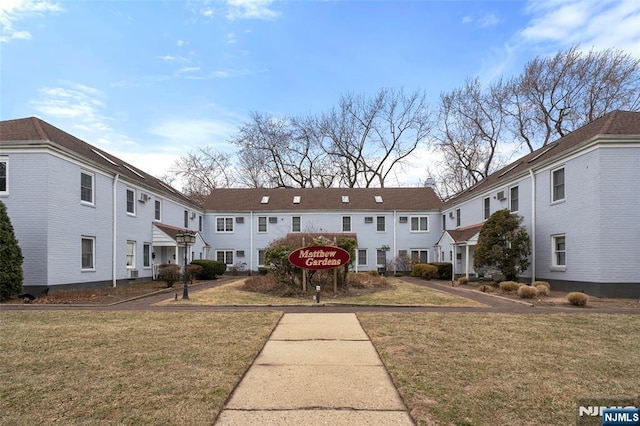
<point x="193" y="215"/>
<point x="451" y="215"/>
<point x="144" y="197"/>
<point x="501" y="196"/>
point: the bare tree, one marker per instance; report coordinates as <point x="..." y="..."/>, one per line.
<point x="556" y="95"/>
<point x="202" y="171"/>
<point x="371" y="137"/>
<point x="285" y="152"/>
<point x="469" y="130"/>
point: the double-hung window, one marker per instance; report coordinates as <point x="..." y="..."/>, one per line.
<point x="88" y="253"/>
<point x="486" y="205"/>
<point x="224" y="224"/>
<point x="131" y="255"/>
<point x="362" y="257"/>
<point x="295" y="224"/>
<point x="419" y="223"/>
<point x="146" y="255"/>
<point x="262" y="224"/>
<point x="86" y="187"/>
<point x="381" y="225"/>
<point x="158" y="210"/>
<point x="346" y="223"/>
<point x="131" y="201"/>
<point x="458" y="217"/>
<point x="514" y="198"/>
<point x="4" y="175"/>
<point x="557" y="185"/>
<point x="559" y="259"/>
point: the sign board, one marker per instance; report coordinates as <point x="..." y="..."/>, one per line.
<point x="319" y="257"/>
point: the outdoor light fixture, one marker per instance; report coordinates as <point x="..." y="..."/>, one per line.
<point x="186" y="239"/>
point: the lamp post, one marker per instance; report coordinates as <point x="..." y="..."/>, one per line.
<point x="186" y="239"/>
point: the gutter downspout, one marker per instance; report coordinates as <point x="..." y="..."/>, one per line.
<point x="395" y="240"/>
<point x="533" y="225"/>
<point x="251" y="240"/>
<point x="114" y="232"/>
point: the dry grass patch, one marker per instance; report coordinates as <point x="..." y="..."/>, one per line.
<point x="124" y="368"/>
<point x="529" y="369"/>
<point x="399" y="293"/>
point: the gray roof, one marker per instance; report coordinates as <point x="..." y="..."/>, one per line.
<point x="615" y="123"/>
<point x="34" y="131"/>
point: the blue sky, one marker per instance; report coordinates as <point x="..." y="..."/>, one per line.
<point x="152" y="80"/>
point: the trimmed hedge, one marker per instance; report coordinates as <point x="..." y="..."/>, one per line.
<point x="445" y="269"/>
<point x="424" y="270"/>
<point x="210" y="268"/>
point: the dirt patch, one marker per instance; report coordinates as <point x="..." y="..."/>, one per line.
<point x="100" y="296"/>
<point x="559" y="298"/>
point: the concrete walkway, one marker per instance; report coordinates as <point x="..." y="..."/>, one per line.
<point x="316" y="369"/>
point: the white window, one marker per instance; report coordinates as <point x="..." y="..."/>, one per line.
<point x="486" y="208"/>
<point x="131" y="255"/>
<point x="419" y="223"/>
<point x="362" y="257"/>
<point x="200" y="223"/>
<point x="346" y="223"/>
<point x="557" y="185"/>
<point x="421" y="255"/>
<point x="261" y="257"/>
<point x="381" y="225"/>
<point x="4" y="176"/>
<point x="158" y="210"/>
<point x="225" y="256"/>
<point x="86" y="187"/>
<point x="295" y="224"/>
<point x="457" y="217"/>
<point x="514" y="199"/>
<point x="131" y="201"/>
<point x="559" y="251"/>
<point x="224" y="224"/>
<point x="88" y="253"/>
<point x="381" y="258"/>
<point x="262" y="224"/>
<point x="146" y="255"/>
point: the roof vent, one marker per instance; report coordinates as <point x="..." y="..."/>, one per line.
<point x="265" y="200"/>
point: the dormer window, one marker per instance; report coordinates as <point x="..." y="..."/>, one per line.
<point x="265" y="200"/>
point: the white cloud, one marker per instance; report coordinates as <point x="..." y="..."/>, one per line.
<point x="250" y="9"/>
<point x="602" y="24"/>
<point x="14" y="11"/>
<point x="489" y="20"/>
<point x="81" y="108"/>
<point x="183" y="134"/>
<point x="467" y="20"/>
<point x="180" y="43"/>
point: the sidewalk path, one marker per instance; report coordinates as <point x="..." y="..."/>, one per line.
<point x="316" y="369"/>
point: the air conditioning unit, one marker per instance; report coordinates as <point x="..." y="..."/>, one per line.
<point x="451" y="215"/>
<point x="144" y="197"/>
<point x="239" y="219"/>
<point x="403" y="219"/>
<point x="193" y="215"/>
<point x="500" y="196"/>
<point x="132" y="274"/>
